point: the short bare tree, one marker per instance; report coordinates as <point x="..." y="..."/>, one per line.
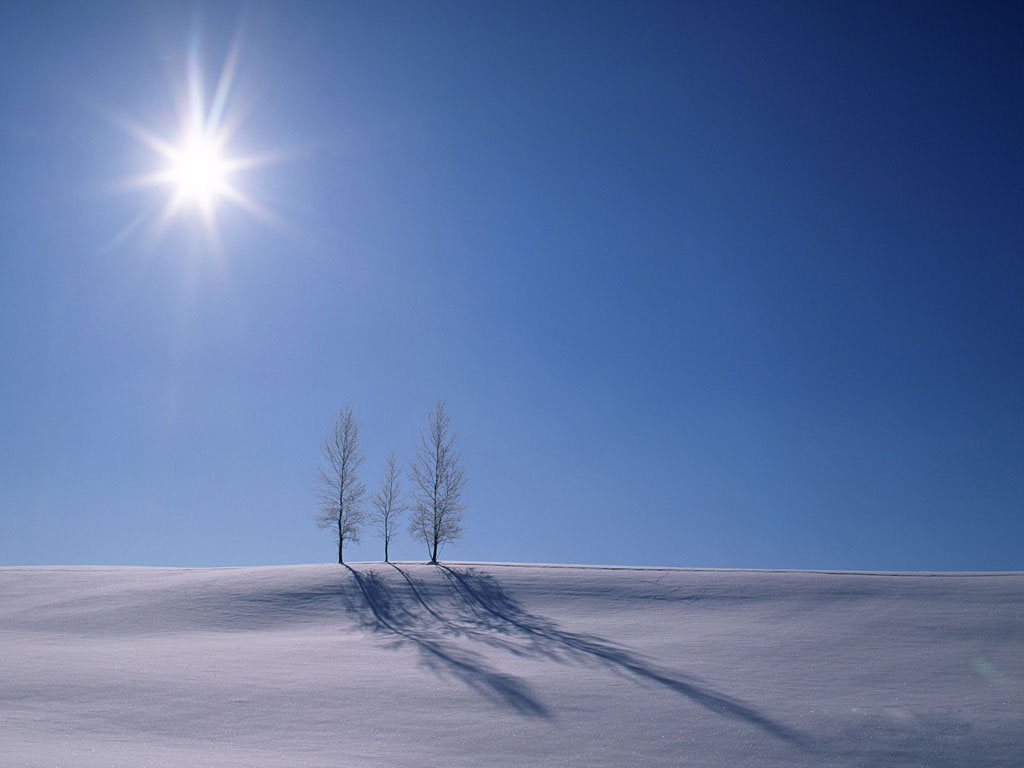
<point x="338" y="487"/>
<point x="438" y="480"/>
<point x="387" y="504"/>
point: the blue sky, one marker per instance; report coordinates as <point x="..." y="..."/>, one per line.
<point x="702" y="284"/>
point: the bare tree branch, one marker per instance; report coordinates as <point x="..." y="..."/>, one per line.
<point x="388" y="505"/>
<point x="438" y="480"/>
<point x="338" y="488"/>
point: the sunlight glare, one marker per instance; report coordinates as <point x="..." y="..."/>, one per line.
<point x="199" y="171"/>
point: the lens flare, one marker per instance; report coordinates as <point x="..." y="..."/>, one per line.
<point x="198" y="168"/>
<point x="199" y="172"/>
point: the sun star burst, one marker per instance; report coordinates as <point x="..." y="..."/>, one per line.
<point x="198" y="169"/>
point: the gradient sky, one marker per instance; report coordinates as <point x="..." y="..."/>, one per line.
<point x="702" y="284"/>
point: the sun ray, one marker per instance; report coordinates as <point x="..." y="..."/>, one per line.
<point x="224" y="82"/>
<point x="197" y="168"/>
<point x="260" y="212"/>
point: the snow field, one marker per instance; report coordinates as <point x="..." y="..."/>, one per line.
<point x="493" y="664"/>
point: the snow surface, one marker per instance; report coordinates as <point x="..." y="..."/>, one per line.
<point x="488" y="664"/>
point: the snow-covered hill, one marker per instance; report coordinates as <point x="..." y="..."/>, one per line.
<point x="520" y="665"/>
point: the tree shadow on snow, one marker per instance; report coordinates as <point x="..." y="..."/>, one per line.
<point x="389" y="614"/>
<point x="477" y="608"/>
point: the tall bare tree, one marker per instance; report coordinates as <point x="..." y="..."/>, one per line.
<point x="338" y="487"/>
<point x="438" y="480"/>
<point x="387" y="504"/>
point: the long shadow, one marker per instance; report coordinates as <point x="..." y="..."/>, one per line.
<point x="394" y="619"/>
<point x="503" y="613"/>
<point x="478" y="609"/>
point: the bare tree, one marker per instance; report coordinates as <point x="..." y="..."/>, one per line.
<point x="387" y="504"/>
<point x="438" y="478"/>
<point x="338" y="487"/>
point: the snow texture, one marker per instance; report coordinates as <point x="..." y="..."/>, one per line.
<point x="521" y="665"/>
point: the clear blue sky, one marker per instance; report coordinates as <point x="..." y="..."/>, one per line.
<point x="709" y="284"/>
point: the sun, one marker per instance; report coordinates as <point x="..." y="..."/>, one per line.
<point x="199" y="170"/>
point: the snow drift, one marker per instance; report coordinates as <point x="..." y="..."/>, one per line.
<point x="487" y="664"/>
